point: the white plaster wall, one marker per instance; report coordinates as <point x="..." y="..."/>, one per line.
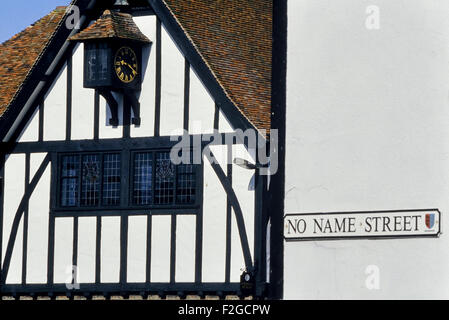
<point x="82" y="100"/>
<point x="185" y="249"/>
<point x="137" y="249"/>
<point x="160" y="249"/>
<point x="241" y="185"/>
<point x="367" y="129"/>
<point x="105" y="130"/>
<point x="31" y="134"/>
<point x="172" y="87"/>
<point x="214" y="212"/>
<point x="63" y="250"/>
<point x="87" y="230"/>
<point x="55" y="109"/>
<point x="38" y="225"/>
<point x="202" y="108"/>
<point x="110" y="250"/>
<point x="224" y="125"/>
<point x="147" y="96"/>
<point x="14" y="188"/>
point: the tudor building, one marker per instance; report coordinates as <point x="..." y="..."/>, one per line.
<point x="88" y="118"/>
<point x="87" y="181"/>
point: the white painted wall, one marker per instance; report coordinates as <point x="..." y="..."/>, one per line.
<point x="55" y="112"/>
<point x="202" y="108"/>
<point x="83" y="100"/>
<point x="367" y="129"/>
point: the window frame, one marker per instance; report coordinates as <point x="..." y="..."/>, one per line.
<point x="96" y="48"/>
<point x="126" y="184"/>
<point x="198" y="178"/>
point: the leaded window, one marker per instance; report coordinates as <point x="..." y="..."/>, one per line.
<point x="95" y="180"/>
<point x="143" y="178"/>
<point x="157" y="181"/>
<point x="83" y="177"/>
<point x="97" y="62"/>
<point x="164" y="187"/>
<point x="111" y="179"/>
<point x="69" y="181"/>
<point x="90" y="186"/>
<point x="186" y="184"/>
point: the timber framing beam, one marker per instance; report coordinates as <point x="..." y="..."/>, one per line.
<point x="19" y="214"/>
<point x="112" y="144"/>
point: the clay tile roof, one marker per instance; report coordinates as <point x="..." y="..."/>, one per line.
<point x="234" y="37"/>
<point x="19" y="54"/>
<point x="112" y="25"/>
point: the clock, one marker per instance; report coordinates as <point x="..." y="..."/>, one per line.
<point x="114" y="63"/>
<point x="126" y="64"/>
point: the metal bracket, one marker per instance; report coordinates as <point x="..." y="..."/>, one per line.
<point x="248" y="282"/>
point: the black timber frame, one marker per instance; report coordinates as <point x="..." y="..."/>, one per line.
<point x="278" y="121"/>
<point x="59" y="51"/>
<point x="53" y="150"/>
<point x="2" y="192"/>
<point x="172" y="26"/>
<point x="48" y="69"/>
<point x="127" y="184"/>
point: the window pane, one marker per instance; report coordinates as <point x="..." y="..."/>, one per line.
<point x="90" y="187"/>
<point x="111" y="179"/>
<point x="91" y="60"/>
<point x="103" y="63"/>
<point x="70" y="166"/>
<point x="186" y="184"/>
<point x="165" y="179"/>
<point x="143" y="178"/>
<point x="69" y="181"/>
<point x="69" y="194"/>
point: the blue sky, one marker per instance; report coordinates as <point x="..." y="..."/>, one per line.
<point x="16" y="15"/>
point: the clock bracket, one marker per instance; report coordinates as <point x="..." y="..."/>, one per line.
<point x="131" y="98"/>
<point x="135" y="105"/>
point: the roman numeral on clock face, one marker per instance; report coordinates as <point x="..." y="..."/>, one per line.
<point x="125" y="64"/>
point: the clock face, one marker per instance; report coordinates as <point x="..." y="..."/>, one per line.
<point x="126" y="65"/>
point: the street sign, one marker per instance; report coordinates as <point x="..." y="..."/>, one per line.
<point x="356" y="225"/>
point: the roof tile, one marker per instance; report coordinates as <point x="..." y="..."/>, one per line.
<point x="19" y="54"/>
<point x="234" y="37"/>
<point x="112" y="25"/>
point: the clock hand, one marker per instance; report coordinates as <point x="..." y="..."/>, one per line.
<point x="129" y="66"/>
<point x="132" y="69"/>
